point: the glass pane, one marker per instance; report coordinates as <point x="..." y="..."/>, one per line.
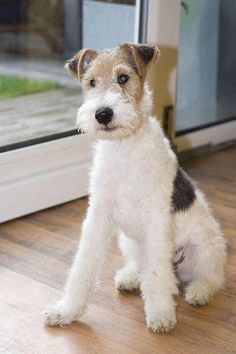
<point x="107" y="23"/>
<point x="206" y="89"/>
<point x="38" y="99"/>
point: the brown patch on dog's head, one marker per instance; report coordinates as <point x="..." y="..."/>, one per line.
<point x="141" y="56"/>
<point x="80" y="62"/>
<point x="103" y="69"/>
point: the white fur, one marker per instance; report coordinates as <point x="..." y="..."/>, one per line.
<point x="130" y="193"/>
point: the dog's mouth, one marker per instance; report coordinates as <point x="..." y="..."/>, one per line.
<point x="110" y="129"/>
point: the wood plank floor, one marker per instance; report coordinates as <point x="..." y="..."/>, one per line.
<point x="36" y="252"/>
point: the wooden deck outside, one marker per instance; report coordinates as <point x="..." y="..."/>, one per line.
<point x="38" y="115"/>
<point x="36" y="252"/>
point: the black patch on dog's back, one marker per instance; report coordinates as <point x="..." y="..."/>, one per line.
<point x="183" y="194"/>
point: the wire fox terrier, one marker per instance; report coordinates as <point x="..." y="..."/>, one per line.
<point x="137" y="189"/>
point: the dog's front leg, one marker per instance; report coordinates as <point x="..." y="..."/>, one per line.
<point x="158" y="281"/>
<point x="96" y="232"/>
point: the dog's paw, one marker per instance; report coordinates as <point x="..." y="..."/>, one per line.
<point x="199" y="293"/>
<point x="59" y="315"/>
<point x="161" y="321"/>
<point x="126" y="279"/>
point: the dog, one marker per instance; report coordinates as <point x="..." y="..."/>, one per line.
<point x="138" y="191"/>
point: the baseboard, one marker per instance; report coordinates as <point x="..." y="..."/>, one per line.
<point x="209" y="137"/>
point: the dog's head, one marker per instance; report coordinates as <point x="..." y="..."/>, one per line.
<point x="117" y="100"/>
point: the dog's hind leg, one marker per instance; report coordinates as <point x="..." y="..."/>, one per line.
<point x="208" y="272"/>
<point x="208" y="259"/>
<point x="204" y="251"/>
<point x="127" y="278"/>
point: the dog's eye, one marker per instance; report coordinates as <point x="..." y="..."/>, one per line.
<point x="92" y="83"/>
<point x="122" y="79"/>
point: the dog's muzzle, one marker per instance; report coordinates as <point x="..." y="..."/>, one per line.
<point x="104" y="115"/>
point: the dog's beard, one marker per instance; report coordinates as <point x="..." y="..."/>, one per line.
<point x="126" y="120"/>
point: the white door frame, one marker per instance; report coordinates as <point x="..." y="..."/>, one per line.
<point x="42" y="175"/>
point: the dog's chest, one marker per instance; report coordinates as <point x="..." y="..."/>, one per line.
<point x="126" y="181"/>
<point x="129" y="195"/>
<point x="127" y="173"/>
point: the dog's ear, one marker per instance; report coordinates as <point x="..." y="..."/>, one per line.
<point x="80" y="62"/>
<point x="141" y="55"/>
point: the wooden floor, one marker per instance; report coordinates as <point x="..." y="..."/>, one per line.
<point x="36" y="252"/>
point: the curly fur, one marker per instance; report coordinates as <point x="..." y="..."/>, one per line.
<point x="138" y="192"/>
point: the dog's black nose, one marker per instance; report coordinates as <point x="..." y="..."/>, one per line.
<point x="104" y="115"/>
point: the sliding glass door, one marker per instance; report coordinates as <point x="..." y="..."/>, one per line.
<point x="38" y="100"/>
<point x="43" y="159"/>
<point x="195" y="90"/>
<point x="206" y="88"/>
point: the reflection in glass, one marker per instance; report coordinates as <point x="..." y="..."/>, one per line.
<point x="37" y="97"/>
<point x="206" y="89"/>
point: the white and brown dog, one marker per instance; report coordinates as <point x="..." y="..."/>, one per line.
<point x="137" y="189"/>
